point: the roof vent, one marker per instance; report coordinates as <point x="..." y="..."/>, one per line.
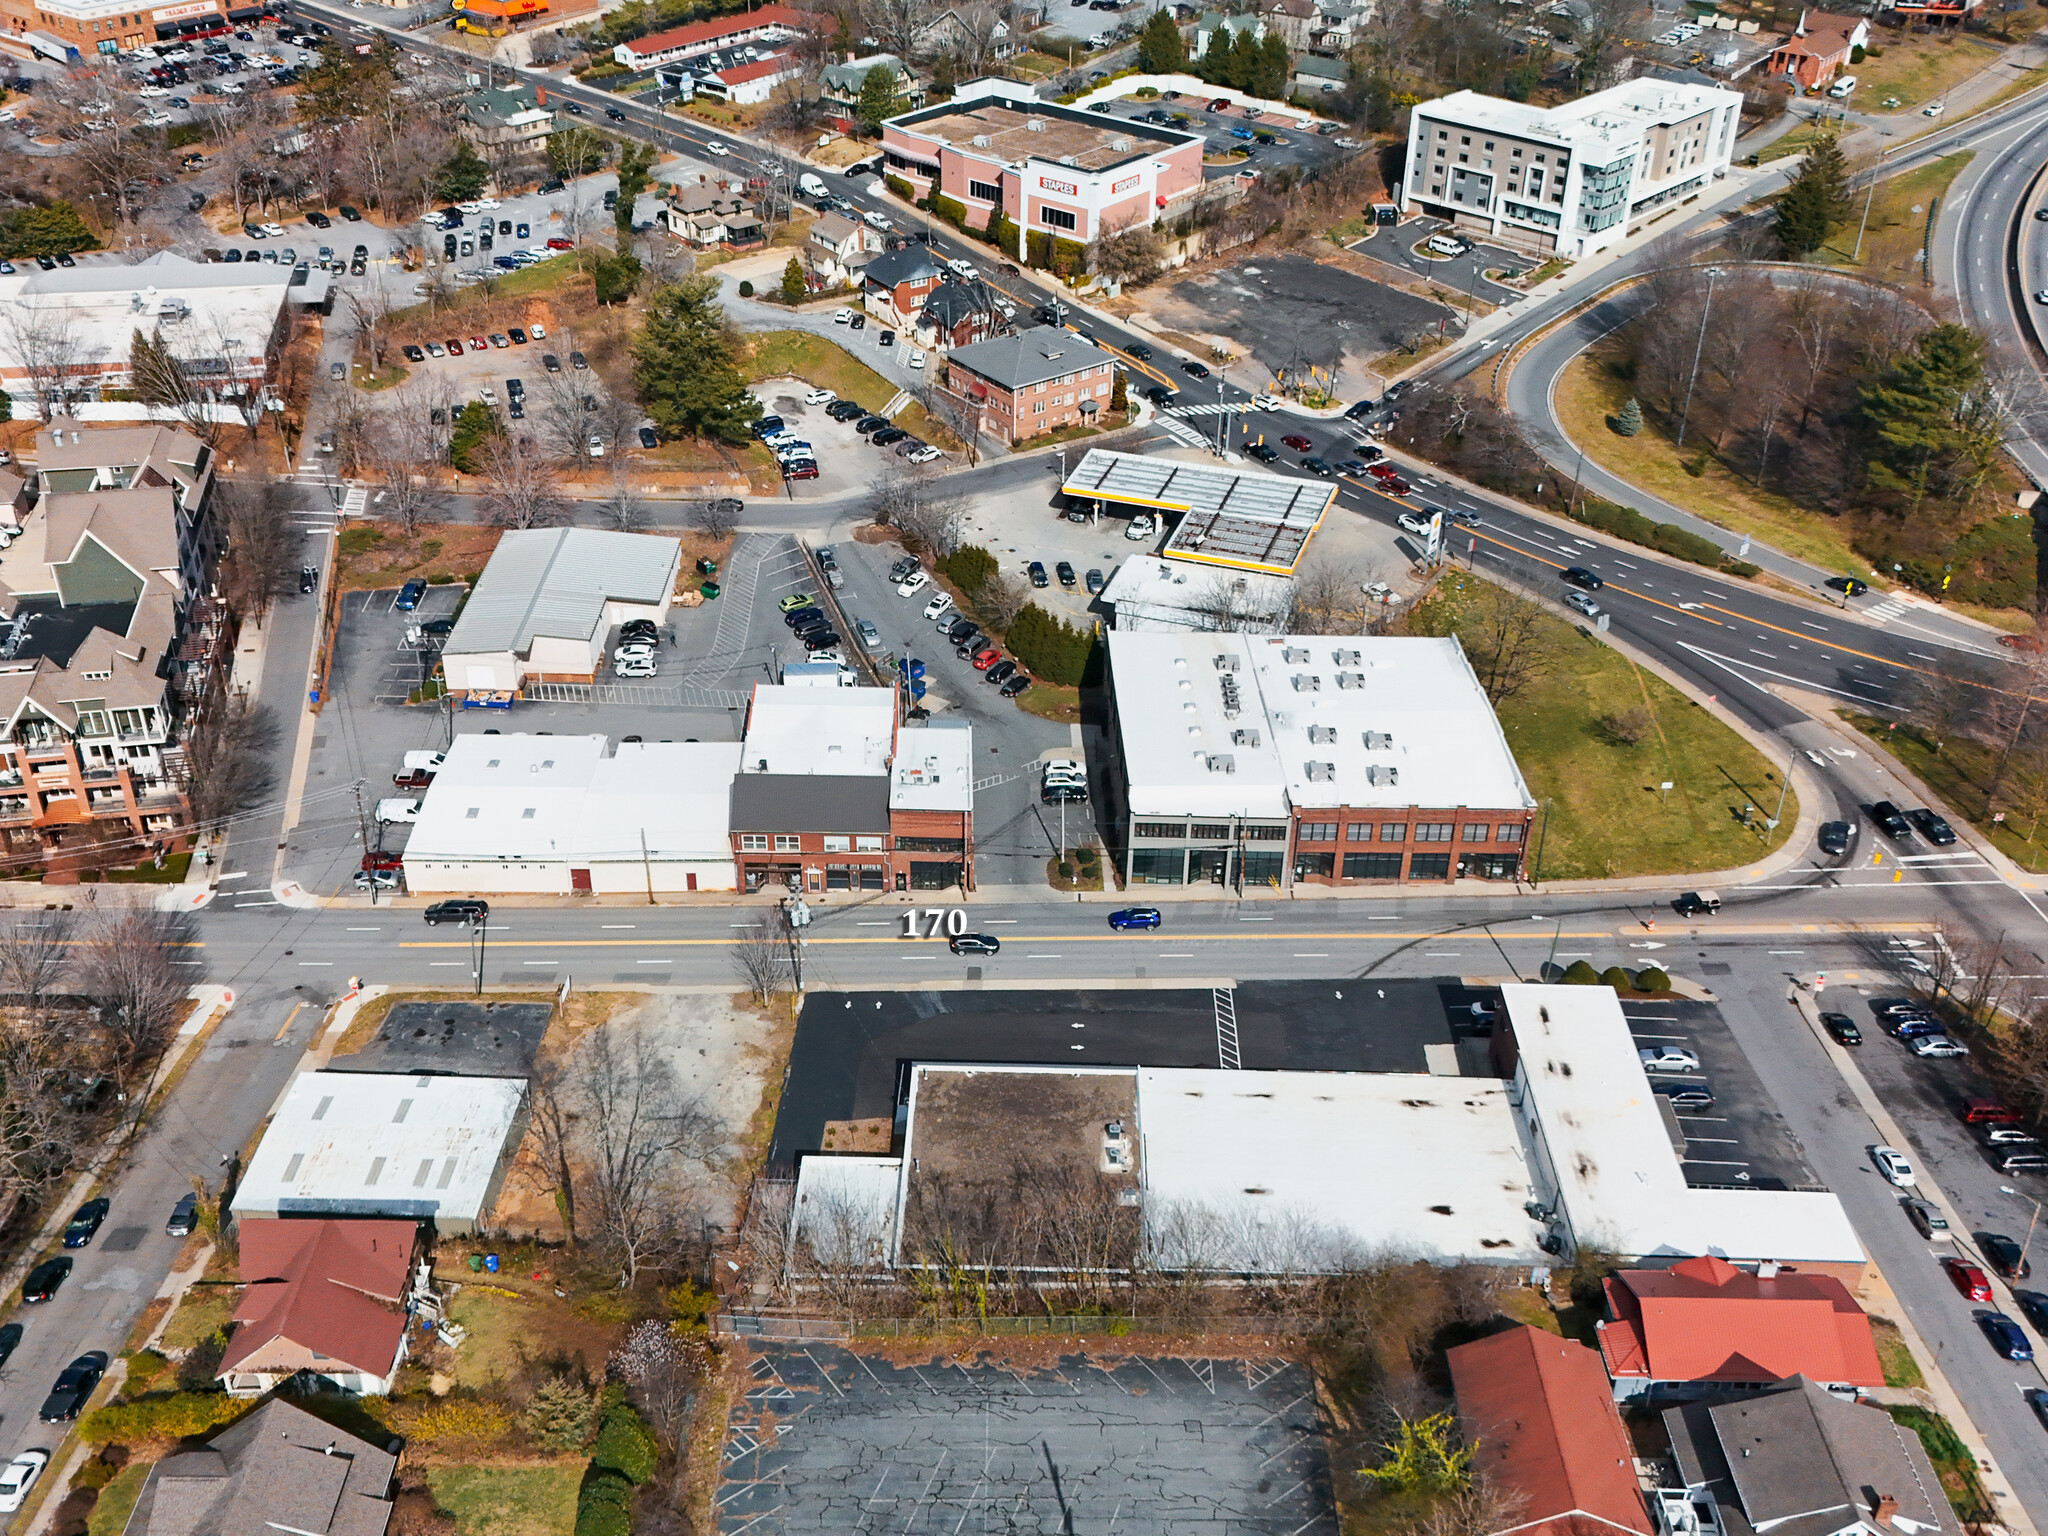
<point x="1322" y="772"/>
<point x="1323" y="735"/>
<point x="1380" y="777"/>
<point x="1245" y="738"/>
<point x="1307" y="682"/>
<point x="1121" y="146"/>
<point x="1222" y="762"/>
<point x="1350" y="679"/>
<point x="1345" y="658"/>
<point x="1069" y="160"/>
<point x="1225" y="663"/>
<point x="1034" y="125"/>
<point x="1294" y="653"/>
<point x="980" y="141"/>
<point x="1379" y="741"/>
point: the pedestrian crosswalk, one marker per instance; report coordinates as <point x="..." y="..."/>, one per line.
<point x="356" y="502"/>
<point x="1213" y="408"/>
<point x="1879" y="613"/>
<point x="1181" y="432"/>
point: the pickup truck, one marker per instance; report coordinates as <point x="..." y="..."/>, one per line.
<point x="412" y="778"/>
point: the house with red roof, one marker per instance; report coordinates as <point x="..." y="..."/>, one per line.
<point x="320" y="1298"/>
<point x="1537" y="1411"/>
<point x="748" y="85"/>
<point x="1704" y="1325"/>
<point x="1819" y="48"/>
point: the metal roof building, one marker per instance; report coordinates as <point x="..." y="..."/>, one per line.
<point x="1247" y="520"/>
<point x="386" y="1144"/>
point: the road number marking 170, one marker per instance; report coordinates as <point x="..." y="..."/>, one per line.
<point x="933" y="923"/>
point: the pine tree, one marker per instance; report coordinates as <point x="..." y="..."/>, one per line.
<point x="1269" y="76"/>
<point x="1119" y="394"/>
<point x="1243" y="62"/>
<point x="793" y="282"/>
<point x="1815" y="202"/>
<point x="879" y="99"/>
<point x="683" y="365"/>
<point x="1160" y="48"/>
<point x="1630" y="421"/>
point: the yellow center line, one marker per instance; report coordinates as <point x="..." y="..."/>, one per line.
<point x="287" y="1023"/>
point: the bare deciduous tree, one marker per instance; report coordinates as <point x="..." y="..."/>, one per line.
<point x="1507" y="639"/>
<point x="635" y="1126"/>
<point x="44" y="345"/>
<point x="125" y="967"/>
<point x="35" y="954"/>
<point x="716" y="517"/>
<point x="762" y="959"/>
<point x="402" y="455"/>
<point x="524" y="489"/>
<point x="262" y="548"/>
<point x="928" y="511"/>
<point x="227" y="760"/>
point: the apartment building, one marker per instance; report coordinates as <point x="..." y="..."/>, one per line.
<point x="507" y="120"/>
<point x="1569" y="178"/>
<point x="1033" y="382"/>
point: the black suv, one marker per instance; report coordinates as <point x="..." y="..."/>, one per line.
<point x="1836" y="836"/>
<point x="846" y="410"/>
<point x="2004" y="1255"/>
<point x="1932" y="827"/>
<point x="460" y="909"/>
<point x="1579" y="576"/>
<point x="1890" y="820"/>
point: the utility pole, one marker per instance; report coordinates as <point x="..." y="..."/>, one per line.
<point x="646" y="866"/>
<point x="796" y="917"/>
<point x="1864" y="223"/>
<point x="363" y="831"/>
<point x="481" y="934"/>
<point x="1693" y="378"/>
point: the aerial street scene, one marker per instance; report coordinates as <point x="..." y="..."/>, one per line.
<point x="1093" y="767"/>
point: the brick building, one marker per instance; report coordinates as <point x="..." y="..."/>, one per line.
<point x="896" y="283"/>
<point x="1033" y="382"/>
<point x="1819" y="48"/>
<point x="1252" y="760"/>
<point x="834" y="795"/>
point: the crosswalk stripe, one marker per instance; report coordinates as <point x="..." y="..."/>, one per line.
<point x="1182" y="433"/>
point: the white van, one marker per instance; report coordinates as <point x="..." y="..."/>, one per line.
<point x="1842" y="87"/>
<point x="1445" y="245"/>
<point x="810" y="186"/>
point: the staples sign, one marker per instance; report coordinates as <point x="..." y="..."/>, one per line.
<point x="1064" y="188"/>
<point x="1125" y="185"/>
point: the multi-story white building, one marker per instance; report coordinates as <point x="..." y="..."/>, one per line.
<point x="1567" y="178"/>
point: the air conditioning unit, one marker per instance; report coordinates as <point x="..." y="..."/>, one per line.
<point x="1322" y="772"/>
<point x="1244" y="738"/>
<point x="1222" y="762"/>
<point x="1346" y="658"/>
<point x="1379" y="741"/>
<point x="1382" y="778"/>
<point x="1350" y="679"/>
<point x="1034" y="125"/>
<point x="1294" y="654"/>
<point x="980" y="141"/>
<point x="1323" y="735"/>
<point x="1225" y="663"/>
<point x="1307" y="682"/>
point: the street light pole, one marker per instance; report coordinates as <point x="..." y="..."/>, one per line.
<point x="1697" y="346"/>
<point x="2032" y="1221"/>
<point x="482" y="934"/>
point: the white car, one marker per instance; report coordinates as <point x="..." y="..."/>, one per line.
<point x="820" y="397"/>
<point x="633" y="653"/>
<point x="874" y="220"/>
<point x="1893" y="1165"/>
<point x="488" y="202"/>
<point x="716" y="148"/>
<point x="841" y="316"/>
<point x="917" y="359"/>
<point x="914" y="583"/>
<point x="398" y="809"/>
<point x="1668" y="1058"/>
<point x="470" y="207"/>
<point x="1934" y="111"/>
<point x="20" y="1476"/>
<point x="938" y="605"/>
<point x="635" y="666"/>
<point x="428" y="762"/>
<point x="537" y="333"/>
<point x="274" y="231"/>
<point x="150" y="91"/>
<point x="924" y="455"/>
<point x="596" y="446"/>
<point x="790" y="451"/>
<point x="1419" y="526"/>
<point x="1267" y="402"/>
<point x="781" y="439"/>
<point x="1936" y="1045"/>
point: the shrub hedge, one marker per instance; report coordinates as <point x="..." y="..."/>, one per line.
<point x="172" y="1416"/>
<point x="1580" y="974"/>
<point x="1051" y="651"/>
<point x="1651" y="979"/>
<point x="624" y="1446"/>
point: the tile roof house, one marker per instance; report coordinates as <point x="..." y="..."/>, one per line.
<point x="320" y="1299"/>
<point x="277" y="1469"/>
<point x="1537" y="1408"/>
<point x="1795" y="1460"/>
<point x="1703" y="1324"/>
<point x="1819" y="47"/>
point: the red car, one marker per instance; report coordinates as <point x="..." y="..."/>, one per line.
<point x="412" y="778"/>
<point x="1381" y="471"/>
<point x="558" y="243"/>
<point x="377" y="858"/>
<point x="986" y="658"/>
<point x="1394" y="485"/>
<point x="478" y="344"/>
<point x="1968" y="1279"/>
<point x="1297" y="442"/>
<point x="454" y="346"/>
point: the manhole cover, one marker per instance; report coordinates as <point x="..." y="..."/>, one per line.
<point x="123" y="1239"/>
<point x="1715" y="968"/>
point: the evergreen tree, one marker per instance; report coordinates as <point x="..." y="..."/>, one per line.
<point x="635" y="160"/>
<point x="1815" y="202"/>
<point x="1630" y="421"/>
<point x="473" y="423"/>
<point x="1269" y="75"/>
<point x="1933" y="428"/>
<point x="1119" y="393"/>
<point x="1160" y="48"/>
<point x="1243" y="63"/>
<point x="793" y="282"/>
<point x="683" y="364"/>
<point x="462" y="176"/>
<point x="1002" y="233"/>
<point x="880" y="98"/>
<point x="615" y="278"/>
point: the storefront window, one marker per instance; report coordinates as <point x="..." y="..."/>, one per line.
<point x="1158" y="866"/>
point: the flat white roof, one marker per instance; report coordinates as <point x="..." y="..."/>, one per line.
<point x="1261" y="1171"/>
<point x="846" y="1207"/>
<point x="840" y="731"/>
<point x="1600" y="1149"/>
<point x="360" y="1143"/>
<point x="934" y="768"/>
<point x="556" y="582"/>
<point x="1616" y="117"/>
<point x="1238" y="518"/>
<point x="1148" y="593"/>
<point x="1236" y="724"/>
<point x="551" y="798"/>
<point x="200" y="305"/>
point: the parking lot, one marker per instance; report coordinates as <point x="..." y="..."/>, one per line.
<point x="1396" y="246"/>
<point x="1227" y="130"/>
<point x="1741" y="1141"/>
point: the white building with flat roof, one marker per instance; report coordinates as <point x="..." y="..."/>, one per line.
<point x="838" y="731"/>
<point x="429" y="1148"/>
<point x="560" y="814"/>
<point x="1569" y="178"/>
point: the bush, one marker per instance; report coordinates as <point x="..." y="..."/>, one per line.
<point x="1580" y="974"/>
<point x="170" y="1417"/>
<point x="143" y="1368"/>
<point x="1065" y="870"/>
<point x="1086" y="856"/>
<point x="1051" y="651"/>
<point x="1614" y="976"/>
<point x="952" y="212"/>
<point x="901" y="188"/>
<point x="601" y="1519"/>
<point x="200" y="1367"/>
<point x="624" y="1446"/>
<point x="746" y="290"/>
<point x="461" y="1421"/>
<point x="1650" y="979"/>
<point x="968" y="567"/>
<point x="1741" y="568"/>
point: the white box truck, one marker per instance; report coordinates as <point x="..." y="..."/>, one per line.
<point x="810" y="186"/>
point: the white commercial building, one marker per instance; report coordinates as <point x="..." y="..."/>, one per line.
<point x="1569" y="178"/>
<point x="547" y="602"/>
<point x="427" y="1148"/>
<point x="559" y="814"/>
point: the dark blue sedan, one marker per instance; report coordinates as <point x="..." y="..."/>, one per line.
<point x="1134" y="917"/>
<point x="410" y="594"/>
<point x="2005" y="1336"/>
<point x="2035" y="1305"/>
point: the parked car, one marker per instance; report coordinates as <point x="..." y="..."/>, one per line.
<point x="1842" y="1027"/>
<point x="2005" y="1336"/>
<point x="398" y="809"/>
<point x="1668" y="1058"/>
<point x="85" y="1221"/>
<point x="1927" y="1221"/>
<point x="184" y="1216"/>
<point x="20" y="1476"/>
<point x="68" y="1397"/>
<point x="1016" y="685"/>
<point x="1685" y="1095"/>
<point x="43" y="1281"/>
<point x="409" y="595"/>
<point x="1893" y="1165"/>
<point x="2004" y="1255"/>
<point x="1038" y="576"/>
<point x="1937" y="1045"/>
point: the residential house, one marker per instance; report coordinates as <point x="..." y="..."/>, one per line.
<point x="840" y="249"/>
<point x="1315" y="76"/>
<point x="1032" y="382"/>
<point x="70" y="458"/>
<point x="832" y="795"/>
<point x="1216" y="29"/>
<point x="508" y="121"/>
<point x="322" y="1306"/>
<point x="751" y="83"/>
<point x="962" y="36"/>
<point x="1543" y="1427"/>
<point x="1797" y="1459"/>
<point x="1339" y="26"/>
<point x="1703" y="1325"/>
<point x="763" y="24"/>
<point x="709" y="218"/>
<point x="1819" y="48"/>
<point x="959" y="313"/>
<point x="276" y="1469"/>
<point x="895" y="284"/>
<point x="1293" y="20"/>
<point x="839" y="87"/>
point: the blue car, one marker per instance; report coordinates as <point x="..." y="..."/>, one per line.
<point x="2005" y="1336"/>
<point x="505" y="263"/>
<point x="2035" y="1305"/>
<point x="1241" y="133"/>
<point x="1135" y="917"/>
<point x="410" y="594"/>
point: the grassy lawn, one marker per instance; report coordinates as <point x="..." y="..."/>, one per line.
<point x="1961" y="775"/>
<point x="1529" y="1306"/>
<point x="204" y="1311"/>
<point x="506" y="1501"/>
<point x="798" y="354"/>
<point x="1918" y="69"/>
<point x="1588" y="392"/>
<point x="1900" y="1368"/>
<point x="1050" y="701"/>
<point x="172" y="873"/>
<point x="376" y="555"/>
<point x="1797" y="142"/>
<point x="1953" y="1463"/>
<point x="1607" y="817"/>
<point x="116" y="1502"/>
<point x="1898" y="223"/>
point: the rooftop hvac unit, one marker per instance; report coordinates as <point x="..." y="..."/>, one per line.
<point x="1350" y="679"/>
<point x="1034" y="125"/>
<point x="980" y="141"/>
<point x="1245" y="738"/>
<point x="1379" y="741"/>
<point x="1069" y="160"/>
<point x="1307" y="682"/>
<point x="1222" y="762"/>
<point x="1380" y="777"/>
<point x="1345" y="658"/>
<point x="1294" y="653"/>
<point x="1120" y="145"/>
<point x="1322" y="772"/>
<point x="1323" y="735"/>
<point x="1225" y="663"/>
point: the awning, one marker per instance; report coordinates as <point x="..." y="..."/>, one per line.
<point x="248" y="13"/>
